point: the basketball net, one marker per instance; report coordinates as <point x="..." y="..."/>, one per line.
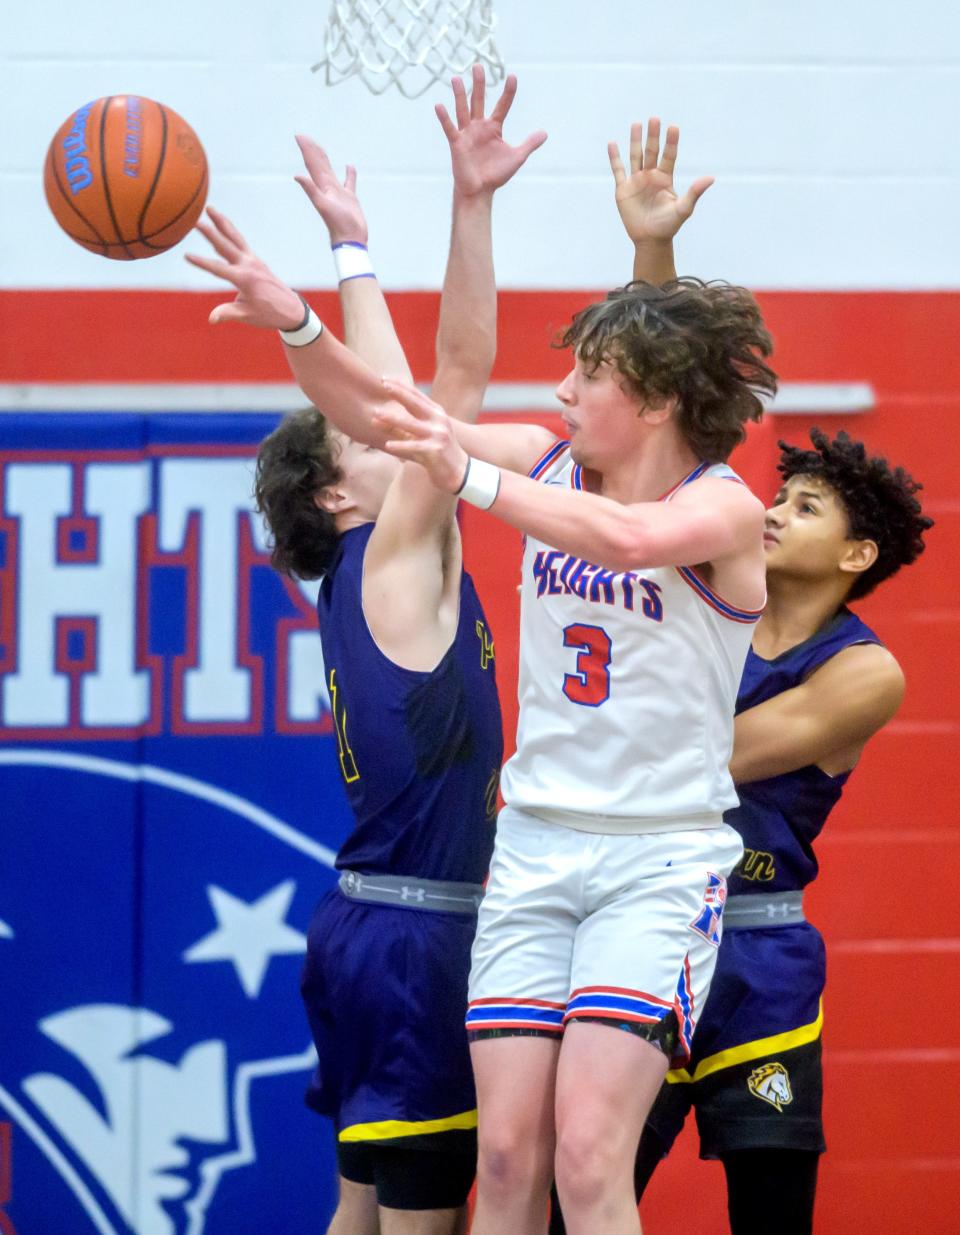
<point x="408" y="43"/>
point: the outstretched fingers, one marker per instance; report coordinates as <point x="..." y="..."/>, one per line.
<point x="636" y="147"/>
<point x="529" y="144"/>
<point x="400" y="424"/>
<point x="410" y="397"/>
<point x="461" y="107"/>
<point x="668" y="160"/>
<point x="651" y="149"/>
<point x="689" y="200"/>
<point x="478" y="95"/>
<point x="449" y="128"/>
<point x="616" y="163"/>
<point x="220" y="245"/>
<point x="315" y="158"/>
<point x="418" y="404"/>
<point x="232" y="311"/>
<point x="220" y="270"/>
<point x="311" y="190"/>
<point x="403" y="448"/>
<point x="227" y="230"/>
<point x="505" y="101"/>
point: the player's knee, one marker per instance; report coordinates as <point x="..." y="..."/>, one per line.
<point x="509" y="1162"/>
<point x="585" y="1164"/>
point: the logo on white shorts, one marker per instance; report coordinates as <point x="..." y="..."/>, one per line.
<point x="708" y="920"/>
<point x="771" y="1082"/>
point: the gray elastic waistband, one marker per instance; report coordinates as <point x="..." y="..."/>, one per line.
<point x="406" y="893"/>
<point x="775" y="909"/>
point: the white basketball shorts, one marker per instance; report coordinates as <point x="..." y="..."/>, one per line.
<point x="587" y="926"/>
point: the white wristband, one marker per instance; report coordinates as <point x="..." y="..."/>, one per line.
<point x="309" y="329"/>
<point x="352" y="261"/>
<point x="481" y="484"/>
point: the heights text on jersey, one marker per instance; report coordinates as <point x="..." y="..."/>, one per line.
<point x="628" y="681"/>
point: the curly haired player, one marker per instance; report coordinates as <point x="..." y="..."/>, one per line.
<point x="817" y="685"/>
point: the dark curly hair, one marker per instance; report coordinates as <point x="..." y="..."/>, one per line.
<point x="294" y="463"/>
<point x="701" y="342"/>
<point x="879" y="501"/>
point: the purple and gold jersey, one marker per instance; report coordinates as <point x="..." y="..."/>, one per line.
<point x="419" y="752"/>
<point x="780" y="818"/>
<point x="385" y="986"/>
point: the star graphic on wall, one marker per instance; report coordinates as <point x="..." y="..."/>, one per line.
<point x="249" y="935"/>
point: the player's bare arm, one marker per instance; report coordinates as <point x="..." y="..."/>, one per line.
<point x="826" y="722"/>
<point x="482" y="162"/>
<point x="415" y="533"/>
<point x="417" y="519"/>
<point x="329" y="374"/>
<point x="347" y="390"/>
<point x="368" y="328"/>
<point x="651" y="210"/>
<point x="716" y="522"/>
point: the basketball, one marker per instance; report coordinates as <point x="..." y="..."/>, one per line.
<point x="125" y="177"/>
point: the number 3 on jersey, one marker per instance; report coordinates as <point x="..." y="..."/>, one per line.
<point x="589" y="684"/>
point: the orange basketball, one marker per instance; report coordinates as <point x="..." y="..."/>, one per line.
<point x="125" y="177"/>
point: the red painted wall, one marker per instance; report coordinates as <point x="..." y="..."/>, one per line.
<point x="891" y="853"/>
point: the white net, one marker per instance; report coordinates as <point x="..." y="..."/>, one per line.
<point x="408" y="43"/>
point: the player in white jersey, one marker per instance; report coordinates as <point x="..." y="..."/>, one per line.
<point x="604" y="903"/>
<point x="605" y="898"/>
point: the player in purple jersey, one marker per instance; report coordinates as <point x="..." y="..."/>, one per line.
<point x="817" y="685"/>
<point x="409" y="661"/>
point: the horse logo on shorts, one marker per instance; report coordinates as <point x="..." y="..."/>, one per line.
<point x="771" y="1082"/>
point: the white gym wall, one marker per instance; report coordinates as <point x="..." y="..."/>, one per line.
<point x="831" y="127"/>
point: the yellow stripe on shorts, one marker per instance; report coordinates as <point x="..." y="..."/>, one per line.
<point x="387" y="1129"/>
<point x="749" y="1050"/>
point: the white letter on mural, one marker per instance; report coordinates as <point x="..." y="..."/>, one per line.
<point x="218" y="689"/>
<point x="117" y="693"/>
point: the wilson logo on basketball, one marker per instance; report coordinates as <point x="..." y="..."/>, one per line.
<point x="771" y="1082"/>
<point x="131" y="141"/>
<point x="76" y="164"/>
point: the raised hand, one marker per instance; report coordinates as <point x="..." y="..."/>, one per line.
<point x="646" y="199"/>
<point x="419" y="430"/>
<point x="482" y="160"/>
<point x="262" y="299"/>
<point x="336" y="203"/>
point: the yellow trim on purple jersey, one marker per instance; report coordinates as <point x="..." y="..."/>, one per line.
<point x="389" y="1129"/>
<point x="749" y="1050"/>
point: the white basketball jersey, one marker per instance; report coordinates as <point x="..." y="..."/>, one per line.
<point x="628" y="681"/>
